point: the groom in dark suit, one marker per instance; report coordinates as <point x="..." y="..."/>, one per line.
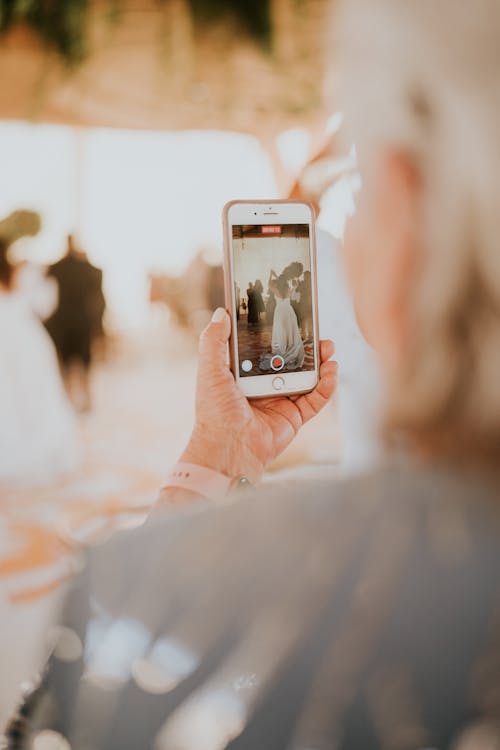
<point x="77" y="320"/>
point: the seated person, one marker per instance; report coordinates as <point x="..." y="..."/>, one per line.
<point x="361" y="614"/>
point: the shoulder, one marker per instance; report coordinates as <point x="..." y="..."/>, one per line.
<point x="309" y="510"/>
<point x="369" y="569"/>
<point x="272" y="528"/>
<point x="55" y="267"/>
<point x="97" y="272"/>
<point x="275" y="517"/>
<point x="389" y="530"/>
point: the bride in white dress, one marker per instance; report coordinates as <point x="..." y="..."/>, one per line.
<point x="285" y="338"/>
<point x="38" y="440"/>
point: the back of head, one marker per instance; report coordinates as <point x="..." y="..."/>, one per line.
<point x="282" y="285"/>
<point x="428" y="72"/>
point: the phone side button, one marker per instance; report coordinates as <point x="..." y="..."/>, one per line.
<point x="278" y="383"/>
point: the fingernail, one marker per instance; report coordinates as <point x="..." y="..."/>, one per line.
<point x="218" y="315"/>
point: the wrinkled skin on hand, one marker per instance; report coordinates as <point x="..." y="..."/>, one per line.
<point x="237" y="436"/>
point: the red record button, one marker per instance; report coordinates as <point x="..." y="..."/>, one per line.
<point x="277" y="362"/>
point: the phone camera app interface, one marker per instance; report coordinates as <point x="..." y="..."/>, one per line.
<point x="273" y="292"/>
<point x="277" y="362"/>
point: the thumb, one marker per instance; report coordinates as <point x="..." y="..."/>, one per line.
<point x="213" y="343"/>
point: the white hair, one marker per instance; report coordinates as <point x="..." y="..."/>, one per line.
<point x="423" y="76"/>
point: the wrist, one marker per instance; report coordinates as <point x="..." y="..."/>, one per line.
<point x="177" y="496"/>
<point x="223" y="455"/>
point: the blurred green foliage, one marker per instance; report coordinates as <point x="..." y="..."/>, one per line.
<point x="63" y="24"/>
<point x="253" y="15"/>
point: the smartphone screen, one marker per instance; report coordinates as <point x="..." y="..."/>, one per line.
<point x="273" y="298"/>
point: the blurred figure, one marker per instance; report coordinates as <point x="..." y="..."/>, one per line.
<point x="270" y="307"/>
<point x="191" y="296"/>
<point x="259" y="300"/>
<point x="305" y="307"/>
<point x="39" y="291"/>
<point x="253" y="313"/>
<point x="237" y="297"/>
<point x="38" y="439"/>
<point x="295" y="299"/>
<point x="285" y="337"/>
<point x="77" y="321"/>
<point x="258" y="289"/>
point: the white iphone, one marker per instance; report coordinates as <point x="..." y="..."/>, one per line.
<point x="271" y="294"/>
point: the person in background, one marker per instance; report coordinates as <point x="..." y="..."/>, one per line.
<point x="305" y="307"/>
<point x="361" y="613"/>
<point x="237" y="297"/>
<point x="258" y="289"/>
<point x="295" y="299"/>
<point x="31" y="281"/>
<point x="38" y="439"/>
<point x="285" y="335"/>
<point x="77" y="320"/>
<point x="270" y="306"/>
<point x="253" y="314"/>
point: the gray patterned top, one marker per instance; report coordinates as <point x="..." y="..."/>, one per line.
<point x="355" y="615"/>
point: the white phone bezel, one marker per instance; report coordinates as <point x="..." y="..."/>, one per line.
<point x="272" y="212"/>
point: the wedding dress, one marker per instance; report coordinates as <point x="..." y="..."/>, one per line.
<point x="285" y="338"/>
<point x="38" y="439"/>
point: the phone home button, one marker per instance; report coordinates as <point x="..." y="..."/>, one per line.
<point x="278" y="383"/>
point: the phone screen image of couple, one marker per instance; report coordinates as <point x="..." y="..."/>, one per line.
<point x="273" y="296"/>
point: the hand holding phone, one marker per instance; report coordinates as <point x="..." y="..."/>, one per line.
<point x="274" y="341"/>
<point x="233" y="435"/>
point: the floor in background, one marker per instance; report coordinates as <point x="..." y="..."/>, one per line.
<point x="143" y="411"/>
<point x="254" y="342"/>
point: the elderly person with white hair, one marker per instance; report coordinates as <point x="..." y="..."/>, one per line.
<point x="354" y="614"/>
